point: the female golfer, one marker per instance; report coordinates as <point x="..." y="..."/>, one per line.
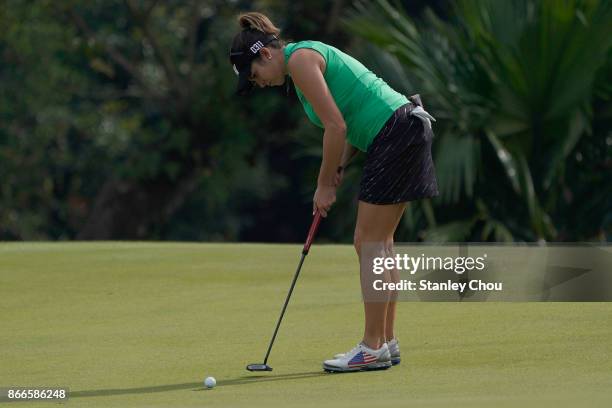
<point x="357" y="110"/>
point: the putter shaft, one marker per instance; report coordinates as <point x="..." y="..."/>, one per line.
<point x="311" y="233"/>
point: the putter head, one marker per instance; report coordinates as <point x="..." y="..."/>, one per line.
<point x="259" y="367"/>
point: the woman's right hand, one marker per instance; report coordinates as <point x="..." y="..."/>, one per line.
<point x="324" y="198"/>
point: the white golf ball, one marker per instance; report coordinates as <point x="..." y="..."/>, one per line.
<point x="210" y="382"/>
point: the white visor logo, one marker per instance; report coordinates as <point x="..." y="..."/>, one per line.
<point x="236" y="69"/>
<point x="256" y="47"/>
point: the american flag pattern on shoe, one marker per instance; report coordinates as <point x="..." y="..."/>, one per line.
<point x="361" y="358"/>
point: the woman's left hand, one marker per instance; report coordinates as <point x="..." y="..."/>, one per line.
<point x="323" y="199"/>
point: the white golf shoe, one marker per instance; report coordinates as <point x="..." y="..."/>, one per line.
<point x="360" y="358"/>
<point x="393" y="350"/>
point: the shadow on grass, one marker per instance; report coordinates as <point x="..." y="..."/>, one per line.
<point x="195" y="386"/>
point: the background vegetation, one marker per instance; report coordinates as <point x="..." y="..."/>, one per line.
<point x="117" y="119"/>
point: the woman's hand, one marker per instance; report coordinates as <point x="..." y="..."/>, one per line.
<point x="323" y="199"/>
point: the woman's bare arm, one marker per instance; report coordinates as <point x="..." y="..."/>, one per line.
<point x="306" y="68"/>
<point x="347" y="154"/>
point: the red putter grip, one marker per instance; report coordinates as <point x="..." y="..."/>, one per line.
<point x="311" y="233"/>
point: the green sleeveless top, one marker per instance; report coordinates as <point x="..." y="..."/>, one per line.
<point x="365" y="100"/>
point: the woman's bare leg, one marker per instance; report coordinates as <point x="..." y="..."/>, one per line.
<point x="374" y="231"/>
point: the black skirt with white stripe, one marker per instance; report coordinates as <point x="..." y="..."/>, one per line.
<point x="398" y="165"/>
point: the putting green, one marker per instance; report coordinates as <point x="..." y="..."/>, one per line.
<point x="142" y="325"/>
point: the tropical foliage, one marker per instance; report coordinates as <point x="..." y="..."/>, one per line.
<point x="117" y="119"/>
<point x="521" y="91"/>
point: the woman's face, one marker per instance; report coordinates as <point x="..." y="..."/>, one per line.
<point x="269" y="68"/>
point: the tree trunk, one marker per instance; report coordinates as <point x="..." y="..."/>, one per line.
<point x="129" y="210"/>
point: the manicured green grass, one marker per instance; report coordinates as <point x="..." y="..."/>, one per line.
<point x="142" y="324"/>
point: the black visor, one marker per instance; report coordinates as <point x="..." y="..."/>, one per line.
<point x="241" y="61"/>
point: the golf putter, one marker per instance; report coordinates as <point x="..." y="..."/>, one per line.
<point x="311" y="233"/>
